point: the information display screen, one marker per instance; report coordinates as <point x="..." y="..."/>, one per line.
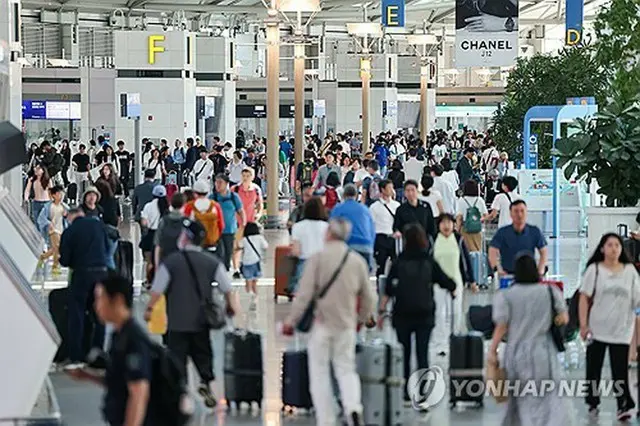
<point x="51" y="110"/>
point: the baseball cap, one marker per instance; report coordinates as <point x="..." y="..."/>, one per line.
<point x="201" y="187"/>
<point x="194" y="230"/>
<point x="159" y="191"/>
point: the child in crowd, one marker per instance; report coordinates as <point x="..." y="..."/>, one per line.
<point x="253" y="246"/>
<point x="52" y="221"/>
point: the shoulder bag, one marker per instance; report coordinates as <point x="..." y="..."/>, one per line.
<point x="306" y="321"/>
<point x="212" y="315"/>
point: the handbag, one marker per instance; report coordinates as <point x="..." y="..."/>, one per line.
<point x="308" y="316"/>
<point x="497" y="375"/>
<point x="212" y="315"/>
<point x="557" y="332"/>
<point x="112" y="232"/>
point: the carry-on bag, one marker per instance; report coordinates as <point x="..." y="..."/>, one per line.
<point x="58" y="310"/>
<point x="466" y="363"/>
<point x="243" y="368"/>
<point x="380" y="366"/>
<point x="295" y="379"/>
<point x="479" y="318"/>
<point x="285" y="268"/>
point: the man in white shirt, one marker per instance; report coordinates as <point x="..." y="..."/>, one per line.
<point x="445" y="188"/>
<point x="203" y="169"/>
<point x="413" y="167"/>
<point x="383" y="213"/>
<point x="502" y="202"/>
<point x="398" y="151"/>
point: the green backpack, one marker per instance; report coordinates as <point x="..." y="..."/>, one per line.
<point x="472" y="220"/>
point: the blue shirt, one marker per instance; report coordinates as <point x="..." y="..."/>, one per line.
<point x="230" y="205"/>
<point x="363" y="231"/>
<point x="512" y="243"/>
<point x="382" y="155"/>
<point x="286" y="148"/>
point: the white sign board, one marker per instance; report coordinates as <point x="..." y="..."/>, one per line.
<point x="486" y="33"/>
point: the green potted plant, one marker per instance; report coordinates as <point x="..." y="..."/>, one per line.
<point x="605" y="149"/>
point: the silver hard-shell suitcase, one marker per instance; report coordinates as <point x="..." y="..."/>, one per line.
<point x="380" y="366"/>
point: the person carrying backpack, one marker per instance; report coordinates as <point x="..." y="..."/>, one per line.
<point x="208" y="213"/>
<point x="371" y="184"/>
<point x="149" y="391"/>
<point x="234" y="216"/>
<point x="331" y="195"/>
<point x="472" y="212"/>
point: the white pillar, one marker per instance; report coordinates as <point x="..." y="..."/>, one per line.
<point x="273" y="118"/>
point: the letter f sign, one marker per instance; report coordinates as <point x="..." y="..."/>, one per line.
<point x="153" y="49"/>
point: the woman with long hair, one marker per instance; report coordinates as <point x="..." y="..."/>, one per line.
<point x="111" y="216"/>
<point x="65" y="151"/>
<point x="525" y="312"/>
<point x="36" y="191"/>
<point x="411" y="283"/>
<point x="609" y="297"/>
<point x="109" y="176"/>
<point x="155" y="163"/>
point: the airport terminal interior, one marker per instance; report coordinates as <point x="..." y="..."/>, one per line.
<point x="279" y="84"/>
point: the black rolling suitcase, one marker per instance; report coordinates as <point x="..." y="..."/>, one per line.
<point x="243" y="371"/>
<point x="479" y="318"/>
<point x="466" y="363"/>
<point x="59" y="315"/>
<point x="295" y="380"/>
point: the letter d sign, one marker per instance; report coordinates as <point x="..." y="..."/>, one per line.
<point x="153" y="48"/>
<point x="573" y="37"/>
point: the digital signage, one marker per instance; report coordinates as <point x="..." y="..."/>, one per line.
<point x="51" y="110"/>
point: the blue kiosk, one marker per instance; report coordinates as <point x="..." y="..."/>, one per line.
<point x="575" y="108"/>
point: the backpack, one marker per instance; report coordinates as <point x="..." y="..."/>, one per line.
<point x="349" y="177"/>
<point x="218" y="198"/>
<point x="167" y="390"/>
<point x="373" y="192"/>
<point x="331" y="197"/>
<point x="171" y="229"/>
<point x="472" y="220"/>
<point x="209" y="220"/>
<point x="307" y="172"/>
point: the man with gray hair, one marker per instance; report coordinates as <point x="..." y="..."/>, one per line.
<point x="363" y="230"/>
<point x="349" y="300"/>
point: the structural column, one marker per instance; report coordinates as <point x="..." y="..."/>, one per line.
<point x="424" y="108"/>
<point x="365" y="76"/>
<point x="273" y="118"/>
<point x="298" y="72"/>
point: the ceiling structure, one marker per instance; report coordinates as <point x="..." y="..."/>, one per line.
<point x="435" y="13"/>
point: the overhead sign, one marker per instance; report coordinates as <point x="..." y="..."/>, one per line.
<point x="393" y="13"/>
<point x="51" y="110"/>
<point x="486" y="33"/>
<point x="155" y="47"/>
<point x="319" y="108"/>
<point x="574" y="16"/>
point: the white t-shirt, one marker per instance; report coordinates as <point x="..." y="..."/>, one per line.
<point x="461" y="209"/>
<point x="360" y="175"/>
<point x="235" y="171"/>
<point x="249" y="255"/>
<point x="433" y="198"/>
<point x="502" y="204"/>
<point x="383" y="214"/>
<point x="203" y="169"/>
<point x="413" y="169"/>
<point x="439" y="152"/>
<point x="452" y="177"/>
<point x="151" y="214"/>
<point x="617" y="296"/>
<point x="310" y="234"/>
<point x="448" y="193"/>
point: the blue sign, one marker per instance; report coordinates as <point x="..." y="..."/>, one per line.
<point x="393" y="13"/>
<point x="34" y="110"/>
<point x="134" y="108"/>
<point x="574" y="16"/>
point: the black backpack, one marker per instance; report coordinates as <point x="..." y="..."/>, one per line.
<point x="168" y="390"/>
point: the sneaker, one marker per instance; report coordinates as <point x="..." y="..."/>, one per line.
<point x="207" y="396"/>
<point x="594" y="411"/>
<point x="623" y="415"/>
<point x="236" y="275"/>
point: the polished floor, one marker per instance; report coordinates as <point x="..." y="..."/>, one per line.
<point x="80" y="403"/>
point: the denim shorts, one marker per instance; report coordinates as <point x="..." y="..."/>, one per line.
<point x="251" y="272"/>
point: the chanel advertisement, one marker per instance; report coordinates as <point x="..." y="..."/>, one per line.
<point x="486" y="33"/>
